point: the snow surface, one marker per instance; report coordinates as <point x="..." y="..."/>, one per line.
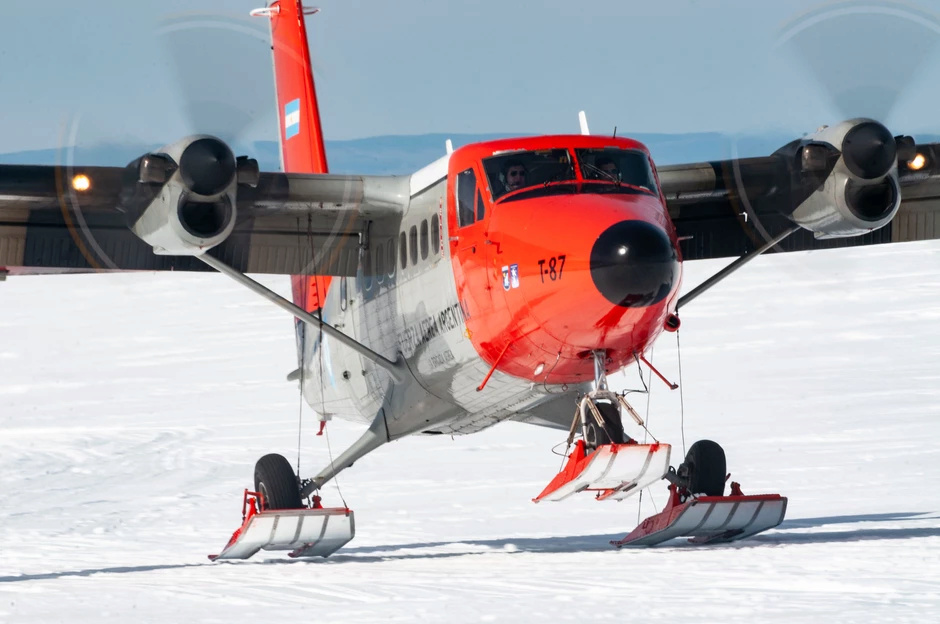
<point x="133" y="408"/>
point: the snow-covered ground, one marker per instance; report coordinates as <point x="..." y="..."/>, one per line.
<point x="133" y="408"/>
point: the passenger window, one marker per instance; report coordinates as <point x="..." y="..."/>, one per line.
<point x="403" y="250"/>
<point x="391" y="257"/>
<point x="424" y="239"/>
<point x="380" y="263"/>
<point x="480" y="209"/>
<point x="435" y="234"/>
<point x="466" y="190"/>
<point x="413" y="243"/>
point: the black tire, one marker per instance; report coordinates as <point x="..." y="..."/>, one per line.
<point x="610" y="433"/>
<point x="707" y="468"/>
<point x="275" y="479"/>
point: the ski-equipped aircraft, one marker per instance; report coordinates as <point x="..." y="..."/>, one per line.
<point x="503" y="281"/>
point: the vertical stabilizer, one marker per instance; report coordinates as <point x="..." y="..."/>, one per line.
<point x="300" y="133"/>
<point x="301" y="136"/>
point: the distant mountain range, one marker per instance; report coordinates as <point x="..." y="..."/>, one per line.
<point x="393" y="155"/>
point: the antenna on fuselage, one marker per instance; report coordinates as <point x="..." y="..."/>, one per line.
<point x="449" y="146"/>
<point x="582" y="119"/>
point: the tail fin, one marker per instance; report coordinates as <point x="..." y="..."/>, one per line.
<point x="301" y="136"/>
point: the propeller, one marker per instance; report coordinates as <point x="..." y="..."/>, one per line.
<point x="862" y="56"/>
<point x="222" y="65"/>
<point x="863" y="59"/>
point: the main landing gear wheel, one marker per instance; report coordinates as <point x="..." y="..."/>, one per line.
<point x="610" y="433"/>
<point x="705" y="468"/>
<point x="276" y="481"/>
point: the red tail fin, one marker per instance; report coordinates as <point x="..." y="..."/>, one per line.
<point x="301" y="136"/>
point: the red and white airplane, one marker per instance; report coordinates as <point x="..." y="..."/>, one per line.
<point x="502" y="282"/>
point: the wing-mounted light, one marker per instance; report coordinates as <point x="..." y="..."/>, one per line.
<point x="181" y="200"/>
<point x="847" y="176"/>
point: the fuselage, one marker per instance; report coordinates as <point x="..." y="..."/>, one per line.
<point x="508" y="282"/>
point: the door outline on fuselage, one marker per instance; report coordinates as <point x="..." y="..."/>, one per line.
<point x="468" y="240"/>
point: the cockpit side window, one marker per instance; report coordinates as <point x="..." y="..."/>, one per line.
<point x="466" y="192"/>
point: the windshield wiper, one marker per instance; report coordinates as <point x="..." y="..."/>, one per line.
<point x="611" y="177"/>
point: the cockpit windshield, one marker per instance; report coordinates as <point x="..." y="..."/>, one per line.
<point x="623" y="167"/>
<point x="519" y="169"/>
<point x="552" y="172"/>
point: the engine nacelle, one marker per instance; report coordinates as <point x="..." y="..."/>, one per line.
<point x="191" y="204"/>
<point x="860" y="191"/>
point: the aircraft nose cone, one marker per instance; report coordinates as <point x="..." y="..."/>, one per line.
<point x="633" y="264"/>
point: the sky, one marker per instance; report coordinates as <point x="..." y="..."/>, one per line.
<point x="96" y="72"/>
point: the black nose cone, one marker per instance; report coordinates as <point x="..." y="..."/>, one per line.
<point x="633" y="264"/>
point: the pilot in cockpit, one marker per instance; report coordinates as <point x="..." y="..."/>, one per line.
<point x="607" y="168"/>
<point x="514" y="175"/>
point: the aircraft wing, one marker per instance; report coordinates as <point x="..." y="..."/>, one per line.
<point x="283" y="223"/>
<point x="732" y="207"/>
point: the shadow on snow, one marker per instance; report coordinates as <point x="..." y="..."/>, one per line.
<point x="782" y="535"/>
<point x="92" y="571"/>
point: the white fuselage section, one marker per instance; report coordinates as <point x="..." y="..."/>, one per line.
<point x="410" y="306"/>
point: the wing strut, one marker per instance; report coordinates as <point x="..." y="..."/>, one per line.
<point x="396" y="369"/>
<point x="731" y="268"/>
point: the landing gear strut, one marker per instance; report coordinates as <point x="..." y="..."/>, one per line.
<point x="600" y="411"/>
<point x="605" y="460"/>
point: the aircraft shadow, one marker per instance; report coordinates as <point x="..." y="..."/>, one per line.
<point x="92" y="571"/>
<point x="858" y="535"/>
<point x="782" y="535"/>
<point x="588" y="543"/>
<point x="806" y="523"/>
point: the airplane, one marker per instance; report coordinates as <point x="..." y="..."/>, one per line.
<point x="504" y="281"/>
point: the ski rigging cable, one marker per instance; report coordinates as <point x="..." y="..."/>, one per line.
<point x="681" y="396"/>
<point x="649" y="393"/>
<point x="320" y="349"/>
<point x="300" y="331"/>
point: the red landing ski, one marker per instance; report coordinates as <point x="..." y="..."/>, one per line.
<point x="614" y="471"/>
<point x="308" y="532"/>
<point x="709" y="519"/>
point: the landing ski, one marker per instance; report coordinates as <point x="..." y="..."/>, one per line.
<point x="307" y="532"/>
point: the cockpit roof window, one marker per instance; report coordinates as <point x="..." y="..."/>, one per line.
<point x="509" y="172"/>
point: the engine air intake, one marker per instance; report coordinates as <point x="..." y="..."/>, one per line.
<point x="207" y="166"/>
